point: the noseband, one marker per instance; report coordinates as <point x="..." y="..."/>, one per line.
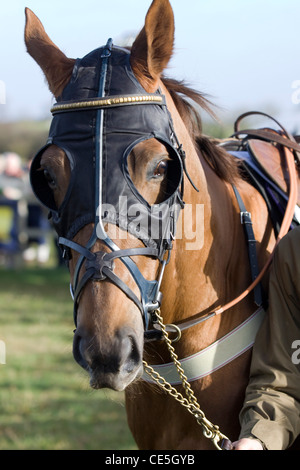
<point x="100" y="265"/>
<point x="153" y="112"/>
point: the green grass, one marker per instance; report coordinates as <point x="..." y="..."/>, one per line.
<point x="45" y="399"/>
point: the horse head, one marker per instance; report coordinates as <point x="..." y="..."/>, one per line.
<point x="111" y="174"/>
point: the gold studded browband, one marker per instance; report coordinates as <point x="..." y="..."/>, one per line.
<point x="107" y="102"/>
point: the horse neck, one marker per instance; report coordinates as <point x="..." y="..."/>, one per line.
<point x="197" y="278"/>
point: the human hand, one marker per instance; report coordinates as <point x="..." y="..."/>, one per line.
<point x="247" y="444"/>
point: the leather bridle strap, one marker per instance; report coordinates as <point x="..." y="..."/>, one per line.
<point x="246" y="221"/>
<point x="268" y="136"/>
<point x="114" y="254"/>
<point x="285" y="226"/>
<point x="91" y="274"/>
<point x="100" y="265"/>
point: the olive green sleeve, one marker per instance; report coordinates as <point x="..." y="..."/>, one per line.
<point x="271" y="410"/>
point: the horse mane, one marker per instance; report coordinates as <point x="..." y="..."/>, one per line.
<point x="225" y="165"/>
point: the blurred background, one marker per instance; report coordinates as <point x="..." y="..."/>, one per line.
<point x="245" y="55"/>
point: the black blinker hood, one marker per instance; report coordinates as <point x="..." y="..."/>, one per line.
<point x="102" y="115"/>
<point x="124" y="125"/>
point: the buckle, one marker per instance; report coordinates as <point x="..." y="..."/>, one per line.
<point x="246" y="217"/>
<point x="98" y="263"/>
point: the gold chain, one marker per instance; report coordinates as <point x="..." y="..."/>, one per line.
<point x="210" y="431"/>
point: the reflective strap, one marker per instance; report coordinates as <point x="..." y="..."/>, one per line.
<point x="215" y="356"/>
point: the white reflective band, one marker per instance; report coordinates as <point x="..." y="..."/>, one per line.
<point x="215" y="356"/>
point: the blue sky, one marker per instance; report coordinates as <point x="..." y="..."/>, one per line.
<point x="245" y="54"/>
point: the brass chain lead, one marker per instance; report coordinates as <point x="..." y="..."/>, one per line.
<point x="210" y="431"/>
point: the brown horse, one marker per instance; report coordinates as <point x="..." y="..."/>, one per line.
<point x="203" y="272"/>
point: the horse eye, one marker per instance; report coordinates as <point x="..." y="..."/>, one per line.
<point x="161" y="169"/>
<point x="49" y="178"/>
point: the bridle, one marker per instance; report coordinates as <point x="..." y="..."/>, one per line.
<point x="100" y="265"/>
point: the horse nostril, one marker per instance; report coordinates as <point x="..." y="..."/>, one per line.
<point x="112" y="361"/>
<point x="130" y="354"/>
<point x="77" y="351"/>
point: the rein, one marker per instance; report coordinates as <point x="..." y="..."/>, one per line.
<point x="211" y="431"/>
<point x="289" y="143"/>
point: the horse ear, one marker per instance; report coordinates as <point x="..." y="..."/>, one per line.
<point x="53" y="62"/>
<point x="153" y="47"/>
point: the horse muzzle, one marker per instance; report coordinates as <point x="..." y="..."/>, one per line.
<point x="111" y="362"/>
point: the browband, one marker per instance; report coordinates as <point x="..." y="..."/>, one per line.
<point x="108" y="102"/>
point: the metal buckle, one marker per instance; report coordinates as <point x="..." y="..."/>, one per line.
<point x="244" y="216"/>
<point x="98" y="263"/>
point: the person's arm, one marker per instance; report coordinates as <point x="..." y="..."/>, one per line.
<point x="271" y="411"/>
